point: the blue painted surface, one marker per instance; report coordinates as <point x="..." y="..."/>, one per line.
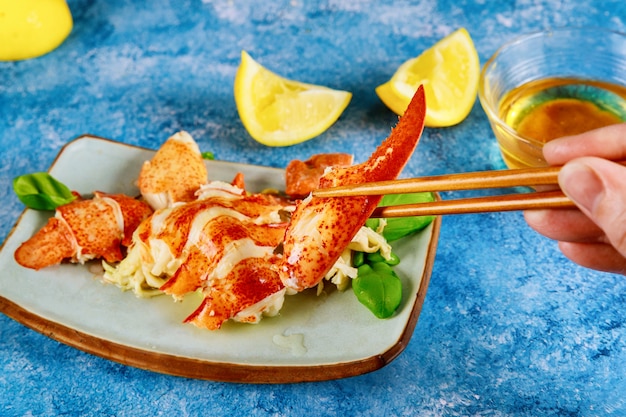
<point x="509" y="326"/>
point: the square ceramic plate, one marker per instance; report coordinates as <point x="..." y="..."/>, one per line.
<point x="313" y="338"/>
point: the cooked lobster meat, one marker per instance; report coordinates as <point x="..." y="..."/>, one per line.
<point x="321" y="228"/>
<point x="243" y="252"/>
<point x="83" y="230"/>
<point x="174" y="174"/>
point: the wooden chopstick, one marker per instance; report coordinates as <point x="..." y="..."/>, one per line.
<point x="467" y="181"/>
<point x="448" y="182"/>
<point x="508" y="202"/>
<point x="457" y="182"/>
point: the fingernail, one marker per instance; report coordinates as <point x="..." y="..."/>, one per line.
<point x="581" y="184"/>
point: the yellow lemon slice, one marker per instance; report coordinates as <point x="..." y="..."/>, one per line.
<point x="30" y="28"/>
<point x="281" y="112"/>
<point x="449" y="71"/>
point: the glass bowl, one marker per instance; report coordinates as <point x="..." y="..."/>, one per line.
<point x="590" y="59"/>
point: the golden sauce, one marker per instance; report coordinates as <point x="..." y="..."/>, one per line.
<point x="529" y="110"/>
<point x="564" y="117"/>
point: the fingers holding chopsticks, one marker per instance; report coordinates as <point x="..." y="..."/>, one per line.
<point x="579" y="238"/>
<point x="566" y="225"/>
<point x="595" y="236"/>
<point x="599" y="256"/>
<point x="607" y="143"/>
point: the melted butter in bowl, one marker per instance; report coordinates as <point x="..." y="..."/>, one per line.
<point x="551" y="108"/>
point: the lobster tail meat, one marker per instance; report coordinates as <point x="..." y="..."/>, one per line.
<point x="52" y="244"/>
<point x="221" y="238"/>
<point x="221" y="245"/>
<point x="83" y="230"/>
<point x="133" y="212"/>
<point x="252" y="288"/>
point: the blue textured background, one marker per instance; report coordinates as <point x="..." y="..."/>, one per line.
<point x="509" y="326"/>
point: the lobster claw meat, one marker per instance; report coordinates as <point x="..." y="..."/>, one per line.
<point x="321" y="228"/>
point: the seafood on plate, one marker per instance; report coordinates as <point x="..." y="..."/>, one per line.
<point x="245" y="252"/>
<point x="223" y="245"/>
<point x="85" y="229"/>
<point x="321" y="228"/>
<point x="303" y="177"/>
<point x="103" y="227"/>
<point x="174" y="174"/>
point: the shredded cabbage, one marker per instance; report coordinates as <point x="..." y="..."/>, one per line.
<point x="130" y="274"/>
<point x="342" y="272"/>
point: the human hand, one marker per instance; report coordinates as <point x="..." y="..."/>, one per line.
<point x="593" y="236"/>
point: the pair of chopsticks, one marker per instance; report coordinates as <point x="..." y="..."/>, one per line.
<point x="469" y="181"/>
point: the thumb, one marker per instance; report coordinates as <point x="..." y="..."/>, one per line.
<point x="598" y="187"/>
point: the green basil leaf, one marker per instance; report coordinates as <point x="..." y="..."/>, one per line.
<point x="41" y="191"/>
<point x="377" y="257"/>
<point x="364" y="270"/>
<point x="399" y="227"/>
<point x="381" y="293"/>
<point x="382" y="268"/>
<point x="358" y="259"/>
<point x="208" y="155"/>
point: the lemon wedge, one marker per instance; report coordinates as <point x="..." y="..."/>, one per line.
<point x="31" y="28"/>
<point x="280" y="112"/>
<point x="449" y="71"/>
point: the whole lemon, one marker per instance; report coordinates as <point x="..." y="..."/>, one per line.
<point x="31" y="28"/>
